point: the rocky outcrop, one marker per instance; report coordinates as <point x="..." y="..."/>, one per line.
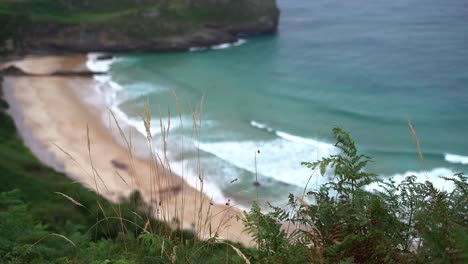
<point x="13" y="70"/>
<point x="77" y="39"/>
<point x="155" y="30"/>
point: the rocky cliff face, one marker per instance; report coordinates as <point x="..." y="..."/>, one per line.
<point x="172" y="26"/>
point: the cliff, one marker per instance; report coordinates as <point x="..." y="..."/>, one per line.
<point x="131" y="25"/>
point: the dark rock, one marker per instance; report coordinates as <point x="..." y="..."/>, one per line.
<point x="76" y="73"/>
<point x="105" y="57"/>
<point x="12" y="70"/>
<point x="59" y="39"/>
<point x="119" y="165"/>
<point x="15" y="71"/>
<point x="4" y="104"/>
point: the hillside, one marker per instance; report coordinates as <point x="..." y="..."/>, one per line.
<point x="130" y="25"/>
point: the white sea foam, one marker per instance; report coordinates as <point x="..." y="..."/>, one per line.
<point x="290" y="137"/>
<point x="193" y="49"/>
<point x="297" y="139"/>
<point x="457" y="159"/>
<point x="155" y="124"/>
<point x="228" y="45"/>
<point x="109" y="94"/>
<point x="261" y="126"/>
<point x="139" y="89"/>
<point x="220" y="46"/>
<point x="258" y="125"/>
<point x="95" y="65"/>
<point x="278" y="159"/>
<point x="422" y="176"/>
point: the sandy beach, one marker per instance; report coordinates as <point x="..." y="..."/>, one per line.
<point x="67" y="133"/>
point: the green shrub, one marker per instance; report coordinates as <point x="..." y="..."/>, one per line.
<point x="409" y="222"/>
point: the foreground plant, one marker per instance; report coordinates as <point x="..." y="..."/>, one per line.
<point x="409" y="222"/>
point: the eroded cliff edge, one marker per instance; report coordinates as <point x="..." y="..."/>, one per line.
<point x="131" y="25"/>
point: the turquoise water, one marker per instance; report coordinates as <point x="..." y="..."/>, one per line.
<point x="364" y="66"/>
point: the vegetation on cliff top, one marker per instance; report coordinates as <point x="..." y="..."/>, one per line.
<point x="73" y="11"/>
<point x="142" y="18"/>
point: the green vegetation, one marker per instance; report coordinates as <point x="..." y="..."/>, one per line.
<point x="409" y="222"/>
<point x="45" y="218"/>
<point x="136" y="18"/>
<point x="71" y="11"/>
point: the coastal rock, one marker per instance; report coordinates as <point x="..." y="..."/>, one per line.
<point x="175" y="28"/>
<point x="12" y="70"/>
<point x="3" y="104"/>
<point x="105" y="56"/>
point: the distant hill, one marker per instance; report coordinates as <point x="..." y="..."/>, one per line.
<point x="130" y="25"/>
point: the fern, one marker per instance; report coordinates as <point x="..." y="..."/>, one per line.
<point x="409" y="222"/>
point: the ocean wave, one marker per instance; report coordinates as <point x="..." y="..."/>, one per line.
<point x="456" y="159"/>
<point x="421" y="176"/>
<point x="302" y="140"/>
<point x="279" y="158"/>
<point x="261" y="126"/>
<point x="137" y="90"/>
<point x="290" y="137"/>
<point x="187" y="169"/>
<point x="107" y="96"/>
<point x="112" y="95"/>
<point x="156" y="123"/>
<point x="219" y="46"/>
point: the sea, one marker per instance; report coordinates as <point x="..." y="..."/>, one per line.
<point x="250" y="112"/>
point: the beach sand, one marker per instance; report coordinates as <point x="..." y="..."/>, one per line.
<point x="68" y="134"/>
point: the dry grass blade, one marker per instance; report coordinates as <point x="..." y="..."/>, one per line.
<point x="73" y="159"/>
<point x="415" y="138"/>
<point x="65" y="152"/>
<point x="147" y="224"/>
<point x="301" y="200"/>
<point x="57" y="235"/>
<point x="179" y="110"/>
<point x="238" y="252"/>
<point x="194" y="120"/>
<point x="70" y="199"/>
<point x="168" y="121"/>
<point x="135" y="213"/>
<point x="120" y="176"/>
<point x="102" y="209"/>
<point x="146" y="117"/>
<point x="96" y="173"/>
<point x="418" y="146"/>
<point x="64" y="237"/>
<point x="122" y="134"/>
<point x="200" y="114"/>
<point x="87" y="137"/>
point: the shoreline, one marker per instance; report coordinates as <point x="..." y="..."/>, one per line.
<point x="56" y="124"/>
